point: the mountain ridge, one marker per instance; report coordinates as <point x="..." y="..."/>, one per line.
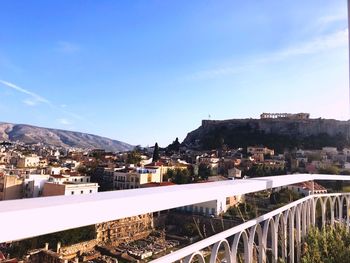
<point x="27" y="133"/>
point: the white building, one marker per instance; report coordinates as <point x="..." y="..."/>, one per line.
<point x="346" y="151"/>
<point x="307" y="188"/>
<point x="214" y="207"/>
<point x="69" y="185"/>
<point x="330" y="150"/>
<point x="71" y="164"/>
<point x="260" y="150"/>
<point x="347" y="165"/>
<point x="34" y="184"/>
<point x="234" y="173"/>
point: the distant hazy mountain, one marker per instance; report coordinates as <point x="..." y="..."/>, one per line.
<point x="32" y="134"/>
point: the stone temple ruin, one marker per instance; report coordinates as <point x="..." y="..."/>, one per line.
<point x="288" y="116"/>
<point x="133" y="239"/>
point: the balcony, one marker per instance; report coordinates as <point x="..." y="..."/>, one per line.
<point x="52" y="214"/>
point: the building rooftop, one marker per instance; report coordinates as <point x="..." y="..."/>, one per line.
<point x="308" y="185"/>
<point x="157" y="184"/>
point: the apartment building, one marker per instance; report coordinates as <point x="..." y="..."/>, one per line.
<point x="11" y="187"/>
<point x="131" y="178"/>
<point x="28" y="161"/>
<point x="69" y="185"/>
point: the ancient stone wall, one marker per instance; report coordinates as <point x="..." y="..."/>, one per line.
<point x="46" y="256"/>
<point x="75" y="250"/>
<point x="125" y="230"/>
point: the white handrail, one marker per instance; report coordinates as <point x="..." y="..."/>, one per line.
<point x="32" y="217"/>
<point x="205" y="243"/>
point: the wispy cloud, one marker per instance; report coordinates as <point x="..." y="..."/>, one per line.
<point x="330" y="19"/>
<point x="64" y="121"/>
<point x="35" y="99"/>
<point x="30" y="102"/>
<point x="320" y="44"/>
<point x="67" y="47"/>
<point x="317" y="45"/>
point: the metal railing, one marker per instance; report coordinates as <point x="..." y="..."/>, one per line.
<point x="277" y="223"/>
<point x="27" y="218"/>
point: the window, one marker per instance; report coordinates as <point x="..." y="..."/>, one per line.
<point x="72" y="192"/>
<point x="81" y="191"/>
<point x="87" y="179"/>
<point x="75" y="179"/>
<point x="90" y="191"/>
<point x="81" y="180"/>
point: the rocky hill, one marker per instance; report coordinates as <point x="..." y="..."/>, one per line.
<point x="32" y="134"/>
<point x="275" y="133"/>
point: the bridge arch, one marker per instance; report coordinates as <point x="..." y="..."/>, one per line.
<point x="281" y="228"/>
<point x="253" y="247"/>
<point x="338" y="213"/>
<point x="269" y="227"/>
<point x="234" y="247"/>
<point x="195" y="256"/>
<point x="215" y="251"/>
<point x="297" y="216"/>
<point x="320" y="210"/>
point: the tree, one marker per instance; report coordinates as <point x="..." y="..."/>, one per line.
<point x="329" y="170"/>
<point x="244" y="211"/>
<point x="190" y="229"/>
<point x="82" y="169"/>
<point x="155" y="153"/>
<point x="284" y="196"/>
<point x="133" y="157"/>
<point x="179" y="176"/>
<point x="330" y="244"/>
<point x="203" y="171"/>
<point x="66" y="237"/>
<point x="175" y="146"/>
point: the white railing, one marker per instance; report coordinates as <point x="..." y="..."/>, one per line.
<point x="276" y="224"/>
<point x="32" y="217"/>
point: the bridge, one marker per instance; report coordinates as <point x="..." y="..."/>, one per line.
<point x="266" y="238"/>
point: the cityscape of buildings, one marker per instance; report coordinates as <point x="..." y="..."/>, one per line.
<point x="254" y="190"/>
<point x="36" y="170"/>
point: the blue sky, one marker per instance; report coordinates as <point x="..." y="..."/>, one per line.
<point x="151" y="70"/>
